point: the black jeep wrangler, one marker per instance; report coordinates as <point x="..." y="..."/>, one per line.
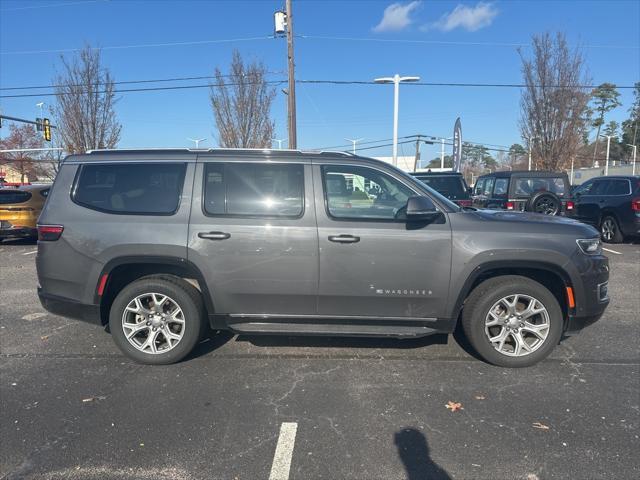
<point x="525" y="191"/>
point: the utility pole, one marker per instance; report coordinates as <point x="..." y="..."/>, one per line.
<point x="293" y="138"/>
<point x="417" y="160"/>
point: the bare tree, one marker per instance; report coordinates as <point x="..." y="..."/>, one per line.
<point x="25" y="163"/>
<point x="84" y="112"/>
<point x="554" y="101"/>
<point x="241" y="104"/>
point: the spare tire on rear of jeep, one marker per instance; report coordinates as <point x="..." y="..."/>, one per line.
<point x="547" y="203"/>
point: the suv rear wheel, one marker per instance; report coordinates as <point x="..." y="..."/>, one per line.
<point x="512" y="321"/>
<point x="157" y="320"/>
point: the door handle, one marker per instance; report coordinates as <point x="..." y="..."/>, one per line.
<point x="214" y="235"/>
<point x="344" y="238"/>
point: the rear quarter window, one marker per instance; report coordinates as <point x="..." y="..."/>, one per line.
<point x="526" y="186"/>
<point x="13" y="196"/>
<point x="130" y="188"/>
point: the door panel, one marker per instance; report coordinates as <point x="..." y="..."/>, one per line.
<point x="266" y="263"/>
<point x="386" y="268"/>
<point x="589" y="202"/>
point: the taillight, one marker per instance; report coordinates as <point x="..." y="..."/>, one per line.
<point x="464" y="203"/>
<point x="49" y="233"/>
<point x="509" y="205"/>
<point x="635" y="204"/>
<point x="569" y="205"/>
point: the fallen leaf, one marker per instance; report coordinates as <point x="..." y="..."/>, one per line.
<point x="454" y="406"/>
<point x="540" y="426"/>
<point x="480" y="397"/>
<point x="44" y="337"/>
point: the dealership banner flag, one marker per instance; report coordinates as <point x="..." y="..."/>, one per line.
<point x="457" y="145"/>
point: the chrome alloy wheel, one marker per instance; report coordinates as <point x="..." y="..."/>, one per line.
<point x="153" y="323"/>
<point x="517" y="325"/>
<point x="608" y="229"/>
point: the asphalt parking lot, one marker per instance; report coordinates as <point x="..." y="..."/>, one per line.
<point x="73" y="407"/>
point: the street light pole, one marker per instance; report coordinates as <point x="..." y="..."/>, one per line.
<point x="606" y="165"/>
<point x="354" y="141"/>
<point x="633" y="164"/>
<point x="442" y="151"/>
<point x="396" y="80"/>
<point x="279" y="140"/>
<point x="197" y="141"/>
<point x="531" y="139"/>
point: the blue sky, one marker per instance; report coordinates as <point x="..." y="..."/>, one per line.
<point x="471" y="42"/>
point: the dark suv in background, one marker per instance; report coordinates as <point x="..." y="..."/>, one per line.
<point x="611" y="204"/>
<point x="164" y="245"/>
<point x="525" y="191"/>
<point x="449" y="184"/>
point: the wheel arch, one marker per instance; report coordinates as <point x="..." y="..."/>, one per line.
<point x="121" y="271"/>
<point x="552" y="276"/>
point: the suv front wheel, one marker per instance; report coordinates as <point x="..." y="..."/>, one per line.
<point x="157" y="320"/>
<point x="512" y="321"/>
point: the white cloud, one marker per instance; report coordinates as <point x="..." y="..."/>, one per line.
<point x="469" y="18"/>
<point x="396" y="16"/>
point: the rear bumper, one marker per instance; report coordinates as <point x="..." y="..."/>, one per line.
<point x="66" y="307"/>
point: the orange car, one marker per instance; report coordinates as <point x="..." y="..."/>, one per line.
<point x="19" y="210"/>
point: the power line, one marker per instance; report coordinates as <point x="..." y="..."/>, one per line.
<point x="322" y="82"/>
<point x="146" y="89"/>
<point x="31" y="7"/>
<point x="144" y="45"/>
<point x="451" y="43"/>
<point x="158" y="80"/>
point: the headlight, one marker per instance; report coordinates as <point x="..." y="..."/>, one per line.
<point x="590" y="246"/>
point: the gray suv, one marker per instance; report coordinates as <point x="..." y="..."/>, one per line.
<point x="164" y="245"/>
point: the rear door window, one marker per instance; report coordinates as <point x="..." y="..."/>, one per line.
<point x="9" y="196"/>
<point x="254" y="189"/>
<point x="501" y="186"/>
<point x="130" y="188"/>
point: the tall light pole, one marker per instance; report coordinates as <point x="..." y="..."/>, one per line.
<point x="197" y="141"/>
<point x="633" y="164"/>
<point x="279" y="140"/>
<point x="354" y="141"/>
<point x="530" y="141"/>
<point x="606" y="165"/>
<point x="396" y="80"/>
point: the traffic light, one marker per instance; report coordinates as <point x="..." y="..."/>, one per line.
<point x="47" y="129"/>
<point x="38" y="124"/>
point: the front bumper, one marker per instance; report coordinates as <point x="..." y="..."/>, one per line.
<point x="66" y="307"/>
<point x="592" y="296"/>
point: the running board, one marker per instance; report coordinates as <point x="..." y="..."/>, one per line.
<point x="332" y="329"/>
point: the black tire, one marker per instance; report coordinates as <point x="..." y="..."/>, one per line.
<point x="546" y="203"/>
<point x="610" y="230"/>
<point x="186" y="296"/>
<point x="482" y="299"/>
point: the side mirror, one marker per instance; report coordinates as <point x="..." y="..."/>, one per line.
<point x="421" y="208"/>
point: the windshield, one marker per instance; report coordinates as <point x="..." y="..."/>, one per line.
<point x="451" y="186"/>
<point x="527" y="186"/>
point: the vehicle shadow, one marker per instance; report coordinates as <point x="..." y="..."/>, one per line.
<point x="342" y="342"/>
<point x="413" y="450"/>
<point x="213" y="341"/>
<point x="8" y="242"/>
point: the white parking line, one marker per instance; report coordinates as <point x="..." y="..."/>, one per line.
<point x="284" y="451"/>
<point x="611" y="251"/>
<point x="30" y="253"/>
